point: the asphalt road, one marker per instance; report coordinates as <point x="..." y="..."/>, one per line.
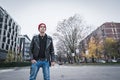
<point x="66" y="73"/>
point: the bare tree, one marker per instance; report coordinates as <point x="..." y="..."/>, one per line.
<point x="69" y="33"/>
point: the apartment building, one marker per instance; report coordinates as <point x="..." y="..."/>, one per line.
<point x="106" y="30"/>
<point x="109" y="30"/>
<point x="9" y="31"/>
<point x="24" y="46"/>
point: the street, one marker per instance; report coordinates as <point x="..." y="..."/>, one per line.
<point x="66" y="73"/>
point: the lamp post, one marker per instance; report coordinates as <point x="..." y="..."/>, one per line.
<point x="77" y="55"/>
<point x="77" y="51"/>
<point x="73" y="55"/>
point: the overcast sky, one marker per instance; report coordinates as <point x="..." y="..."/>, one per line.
<point x="29" y="13"/>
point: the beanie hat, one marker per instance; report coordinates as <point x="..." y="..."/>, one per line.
<point x="40" y="25"/>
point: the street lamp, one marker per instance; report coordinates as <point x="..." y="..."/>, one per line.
<point x="77" y="51"/>
<point x="86" y="52"/>
<point x="73" y="55"/>
<point x="77" y="55"/>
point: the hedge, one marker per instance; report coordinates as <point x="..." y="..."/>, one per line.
<point x="14" y="64"/>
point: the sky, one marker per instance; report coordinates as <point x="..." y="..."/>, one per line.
<point x="30" y="13"/>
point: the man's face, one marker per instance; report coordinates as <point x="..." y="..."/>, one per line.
<point x="42" y="29"/>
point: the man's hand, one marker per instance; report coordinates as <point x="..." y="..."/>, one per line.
<point x="33" y="61"/>
<point x="52" y="63"/>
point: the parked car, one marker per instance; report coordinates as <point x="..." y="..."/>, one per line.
<point x="60" y="63"/>
<point x="113" y="60"/>
<point x="101" y="61"/>
<point x="118" y="59"/>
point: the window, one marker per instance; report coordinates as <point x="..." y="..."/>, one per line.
<point x="13" y="25"/>
<point x="7" y="47"/>
<point x="0" y="31"/>
<point x="6" y="18"/>
<point x="4" y="39"/>
<point x="16" y="28"/>
<point x="118" y="27"/>
<point x="8" y="35"/>
<point x="118" y="30"/>
<point x="110" y="35"/>
<point x="103" y="33"/>
<point x="14" y="49"/>
<point x="3" y="45"/>
<point x="13" y="32"/>
<point x="15" y="44"/>
<point x="9" y="30"/>
<point x="12" y="43"/>
<point x="5" y="27"/>
<point x="4" y="32"/>
<point x="16" y="35"/>
<point x="10" y="47"/>
<point x="10" y="21"/>
<point x="0" y="25"/>
<point x="1" y="15"/>
<point x="12" y="37"/>
<point x="8" y="42"/>
<point x="1" y="19"/>
<point x="107" y="26"/>
<point x="15" y="38"/>
<point x="108" y="30"/>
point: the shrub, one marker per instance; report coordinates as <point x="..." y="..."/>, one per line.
<point x="14" y="64"/>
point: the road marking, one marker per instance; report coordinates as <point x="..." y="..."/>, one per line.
<point x="6" y="70"/>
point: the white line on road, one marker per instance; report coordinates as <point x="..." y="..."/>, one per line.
<point x="6" y="70"/>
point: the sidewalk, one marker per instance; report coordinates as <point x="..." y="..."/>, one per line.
<point x="11" y="69"/>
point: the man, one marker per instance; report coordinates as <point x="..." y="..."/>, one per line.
<point x="42" y="53"/>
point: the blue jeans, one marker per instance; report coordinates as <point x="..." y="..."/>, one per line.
<point x="35" y="68"/>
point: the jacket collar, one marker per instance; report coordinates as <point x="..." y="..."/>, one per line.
<point x="48" y="41"/>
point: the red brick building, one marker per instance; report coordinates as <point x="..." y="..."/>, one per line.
<point x="109" y="30"/>
<point x="106" y="30"/>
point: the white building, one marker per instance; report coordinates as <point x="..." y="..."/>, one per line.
<point x="9" y="31"/>
<point x="24" y="45"/>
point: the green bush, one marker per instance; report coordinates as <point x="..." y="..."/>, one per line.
<point x="10" y="56"/>
<point x="14" y="64"/>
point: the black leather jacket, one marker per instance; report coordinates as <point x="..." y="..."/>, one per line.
<point x="49" y="51"/>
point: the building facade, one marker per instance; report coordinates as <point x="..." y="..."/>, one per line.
<point x="109" y="30"/>
<point x="106" y="30"/>
<point x="9" y="31"/>
<point x="24" y="46"/>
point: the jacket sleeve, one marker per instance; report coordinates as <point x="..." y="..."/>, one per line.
<point x="52" y="51"/>
<point x="31" y="48"/>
